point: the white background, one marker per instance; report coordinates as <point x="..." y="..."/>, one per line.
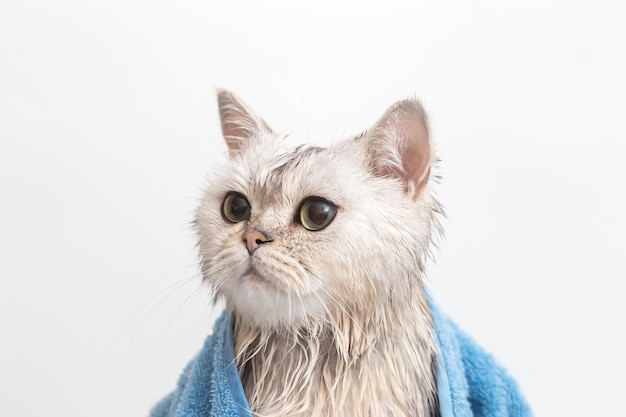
<point x="108" y="127"/>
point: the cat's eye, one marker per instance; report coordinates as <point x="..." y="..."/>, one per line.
<point x="236" y="208"/>
<point x="316" y="213"/>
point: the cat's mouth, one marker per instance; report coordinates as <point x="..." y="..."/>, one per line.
<point x="253" y="274"/>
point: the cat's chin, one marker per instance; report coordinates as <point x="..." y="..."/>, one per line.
<point x="271" y="319"/>
<point x="260" y="303"/>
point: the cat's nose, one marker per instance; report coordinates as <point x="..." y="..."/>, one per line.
<point x="254" y="239"/>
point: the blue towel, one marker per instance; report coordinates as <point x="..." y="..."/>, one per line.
<point x="469" y="381"/>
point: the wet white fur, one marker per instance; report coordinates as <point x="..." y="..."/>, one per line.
<point x="333" y="322"/>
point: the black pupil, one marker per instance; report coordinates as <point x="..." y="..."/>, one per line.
<point x="238" y="206"/>
<point x="318" y="212"/>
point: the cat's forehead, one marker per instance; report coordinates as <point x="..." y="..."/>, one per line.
<point x="293" y="161"/>
<point x="286" y="177"/>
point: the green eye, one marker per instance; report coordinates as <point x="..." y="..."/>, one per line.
<point x="235" y="208"/>
<point x="316" y="214"/>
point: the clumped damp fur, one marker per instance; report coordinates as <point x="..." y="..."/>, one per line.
<point x="331" y="321"/>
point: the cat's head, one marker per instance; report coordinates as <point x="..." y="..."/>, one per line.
<point x="290" y="237"/>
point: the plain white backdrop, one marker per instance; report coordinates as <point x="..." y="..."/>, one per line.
<point x="108" y="129"/>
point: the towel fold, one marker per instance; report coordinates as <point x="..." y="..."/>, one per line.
<point x="469" y="381"/>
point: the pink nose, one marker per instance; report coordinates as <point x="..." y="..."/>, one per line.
<point x="254" y="239"/>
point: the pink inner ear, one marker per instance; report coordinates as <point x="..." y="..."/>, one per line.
<point x="231" y="111"/>
<point x="233" y="136"/>
<point x="239" y="123"/>
<point x="415" y="149"/>
<point x="403" y="133"/>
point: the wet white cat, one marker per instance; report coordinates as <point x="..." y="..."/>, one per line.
<point x="319" y="254"/>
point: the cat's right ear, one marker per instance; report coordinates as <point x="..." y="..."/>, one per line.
<point x="239" y="123"/>
<point x="399" y="147"/>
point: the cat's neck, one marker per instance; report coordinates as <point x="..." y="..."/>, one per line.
<point x="362" y="362"/>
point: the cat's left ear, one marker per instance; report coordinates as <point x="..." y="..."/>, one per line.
<point x="240" y="124"/>
<point x="399" y="145"/>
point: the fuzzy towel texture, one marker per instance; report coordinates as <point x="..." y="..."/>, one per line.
<point x="470" y="382"/>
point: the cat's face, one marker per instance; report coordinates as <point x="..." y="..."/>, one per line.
<point x="290" y="237"/>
